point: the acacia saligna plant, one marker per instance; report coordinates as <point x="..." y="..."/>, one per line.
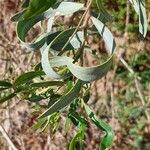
<point x="62" y="79"/>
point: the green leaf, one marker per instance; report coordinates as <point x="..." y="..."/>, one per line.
<point x="109" y="136"/>
<point x="68" y="8"/>
<point x="5" y="98"/>
<point x="139" y="6"/>
<point x="47" y="83"/>
<point x="106" y="34"/>
<point x="64" y="100"/>
<point x="67" y="124"/>
<point x="82" y="73"/>
<point x="104" y="16"/>
<point x="24" y="78"/>
<point x="74" y="140"/>
<point x="78" y="137"/>
<point x="78" y="117"/>
<point x="25" y="3"/>
<point x="58" y="43"/>
<point x="36" y="7"/>
<point x="53" y="99"/>
<point x="18" y="16"/>
<point x="36" y="98"/>
<point x="39" y="123"/>
<point x="24" y="26"/>
<point x="5" y="84"/>
<point x="2" y="89"/>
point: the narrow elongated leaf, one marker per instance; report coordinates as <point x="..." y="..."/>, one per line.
<point x="82" y="73"/>
<point x="35" y="98"/>
<point x="58" y="43"/>
<point x="18" y="16"/>
<point x="37" y="7"/>
<point x="39" y="124"/>
<point x="74" y="140"/>
<point x="24" y="26"/>
<point x="2" y="89"/>
<point x="139" y="6"/>
<point x="4" y="99"/>
<point x="68" y="8"/>
<point x="108" y="138"/>
<point x="27" y="77"/>
<point x="25" y="3"/>
<point x="104" y="16"/>
<point x="106" y="34"/>
<point x="47" y="83"/>
<point x="143" y="23"/>
<point x="46" y="65"/>
<point x="5" y="84"/>
<point x="57" y="39"/>
<point x="78" y="137"/>
<point x="64" y="100"/>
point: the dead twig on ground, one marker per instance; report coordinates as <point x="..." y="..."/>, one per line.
<point x="5" y="135"/>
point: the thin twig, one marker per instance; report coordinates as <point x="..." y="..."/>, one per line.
<point x="4" y="133"/>
<point x="120" y="58"/>
<point x="122" y="52"/>
<point x="86" y="18"/>
<point x="137" y="87"/>
<point x="85" y="26"/>
<point x="112" y="103"/>
<point x="48" y="144"/>
<point x="126" y="65"/>
<point x="77" y="28"/>
<point x="141" y="97"/>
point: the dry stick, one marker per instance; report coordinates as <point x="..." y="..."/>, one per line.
<point x="7" y="40"/>
<point x="7" y="121"/>
<point x="121" y="54"/>
<point x="10" y="55"/>
<point x="141" y="97"/>
<point x="2" y="130"/>
<point x="137" y="87"/>
<point x="127" y="16"/>
<point x="48" y="145"/>
<point x="125" y="36"/>
<point x="112" y="104"/>
<point x="128" y="67"/>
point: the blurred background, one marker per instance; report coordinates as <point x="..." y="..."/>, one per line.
<point x="119" y="98"/>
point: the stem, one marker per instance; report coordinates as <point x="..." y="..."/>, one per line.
<point x="77" y="28"/>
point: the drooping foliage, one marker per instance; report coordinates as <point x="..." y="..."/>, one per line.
<point x="62" y="60"/>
